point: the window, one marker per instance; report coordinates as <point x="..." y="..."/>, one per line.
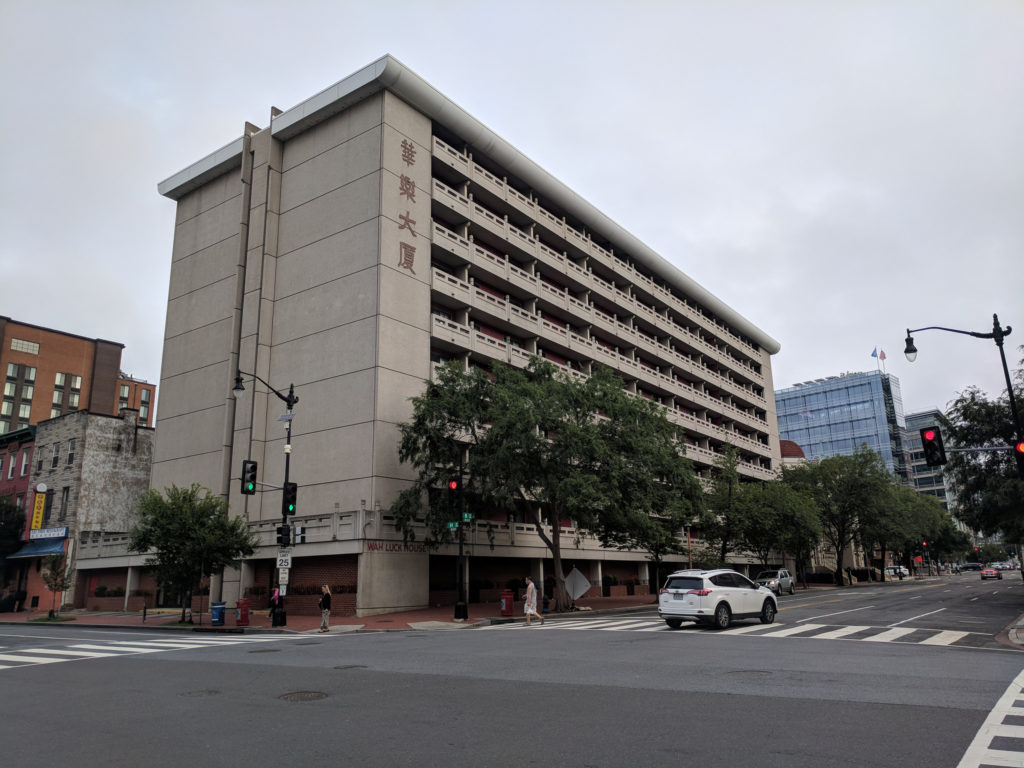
<point x="12" y="370"/>
<point x="65" y="494"/>
<point x="20" y="345"/>
<point x="76" y="383"/>
<point x="11" y="461"/>
<point x="5" y="426"/>
<point x="145" y="395"/>
<point x="144" y="414"/>
<point x="25" y="411"/>
<point x="9" y="388"/>
<point x="59" y="380"/>
<point x="21" y="501"/>
<point x="30" y="374"/>
<point x="58" y="396"/>
<point x="71" y="451"/>
<point x="73" y="401"/>
<point x="56" y="455"/>
<point x="24" y="462"/>
<point x="54" y="413"/>
<point x="6" y="408"/>
<point x="39" y="458"/>
<point x="124" y="392"/>
<point x="27" y="390"/>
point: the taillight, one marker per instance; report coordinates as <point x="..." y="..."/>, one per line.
<point x="699" y="592"/>
<point x="662" y="591"/>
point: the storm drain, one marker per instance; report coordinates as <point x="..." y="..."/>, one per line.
<point x="303" y="696"/>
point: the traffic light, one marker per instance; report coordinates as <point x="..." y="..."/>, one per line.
<point x="931" y="444"/>
<point x="453" y="485"/>
<point x="1019" y="447"/>
<point x="248" y="477"/>
<point x="288" y="498"/>
<point x="284" y="535"/>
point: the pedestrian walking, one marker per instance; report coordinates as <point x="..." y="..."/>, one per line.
<point x="530" y="602"/>
<point x="276" y="609"/>
<point x="325" y="608"/>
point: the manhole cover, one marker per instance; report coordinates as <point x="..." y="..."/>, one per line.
<point x="201" y="694"/>
<point x="303" y="696"/>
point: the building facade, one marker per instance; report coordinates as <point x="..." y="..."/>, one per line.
<point x="137" y="394"/>
<point x="384" y="231"/>
<point x="834" y="415"/>
<point x="48" y="373"/>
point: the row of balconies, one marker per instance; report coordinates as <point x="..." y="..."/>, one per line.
<point x="467" y="294"/>
<point x="579" y="240"/>
<point x="474" y="341"/>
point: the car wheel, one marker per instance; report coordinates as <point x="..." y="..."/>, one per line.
<point x="723" y="616"/>
<point x="768" y="612"/>
<point x="674" y="623"/>
<point x="792" y="588"/>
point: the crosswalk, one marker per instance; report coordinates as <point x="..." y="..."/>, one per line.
<point x="864" y="633"/>
<point x="12" y="658"/>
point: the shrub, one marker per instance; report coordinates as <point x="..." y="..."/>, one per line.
<point x="100" y="591"/>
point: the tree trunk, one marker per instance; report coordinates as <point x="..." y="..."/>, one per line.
<point x="554" y="544"/>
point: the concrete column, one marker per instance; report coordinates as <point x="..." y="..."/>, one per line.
<point x="131" y="579"/>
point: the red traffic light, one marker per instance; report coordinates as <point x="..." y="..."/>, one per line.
<point x="928" y="434"/>
<point x="1019" y="447"/>
<point x="924" y="543"/>
<point x="453" y="485"/>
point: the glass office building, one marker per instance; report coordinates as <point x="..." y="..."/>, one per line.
<point x="834" y="415"/>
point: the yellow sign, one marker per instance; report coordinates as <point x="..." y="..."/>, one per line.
<point x="37" y="511"/>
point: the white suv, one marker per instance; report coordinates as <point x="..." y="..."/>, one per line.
<point x="714" y="597"/>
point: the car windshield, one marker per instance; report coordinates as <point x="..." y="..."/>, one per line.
<point x="768" y="574"/>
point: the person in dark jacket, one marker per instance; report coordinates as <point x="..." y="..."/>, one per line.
<point x="325" y="608"/>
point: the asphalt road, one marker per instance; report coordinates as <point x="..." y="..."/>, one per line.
<point x="593" y="691"/>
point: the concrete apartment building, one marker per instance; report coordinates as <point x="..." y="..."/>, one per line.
<point x="365" y="236"/>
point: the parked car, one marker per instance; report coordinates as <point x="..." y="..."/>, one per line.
<point x="778" y="581"/>
<point x="894" y="571"/>
<point x="714" y="597"/>
<point x="971" y="567"/>
<point x="988" y="572"/>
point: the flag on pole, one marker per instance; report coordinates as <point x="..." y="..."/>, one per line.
<point x="881" y="355"/>
<point x="874" y="352"/>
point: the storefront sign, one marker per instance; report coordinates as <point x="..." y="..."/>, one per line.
<point x="49" y="533"/>
<point x="38" y="508"/>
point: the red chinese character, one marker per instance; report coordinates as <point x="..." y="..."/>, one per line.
<point x="407" y="188"/>
<point x="406" y="256"/>
<point x="407" y="223"/>
<point x="408" y="152"/>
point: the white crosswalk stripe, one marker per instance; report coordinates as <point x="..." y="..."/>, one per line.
<point x="14" y="658"/>
<point x="997" y="742"/>
<point x="802" y="631"/>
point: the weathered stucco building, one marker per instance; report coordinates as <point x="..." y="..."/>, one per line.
<point x="363" y="237"/>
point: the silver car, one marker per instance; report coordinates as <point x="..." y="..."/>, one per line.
<point x="714" y="597"/>
<point x="778" y="581"/>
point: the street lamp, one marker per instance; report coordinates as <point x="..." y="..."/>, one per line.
<point x="288" y="491"/>
<point x="998" y="334"/>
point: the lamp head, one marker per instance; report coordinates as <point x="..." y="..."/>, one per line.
<point x="910" y="351"/>
<point x="238" y="389"/>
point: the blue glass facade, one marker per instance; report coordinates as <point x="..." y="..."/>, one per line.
<point x="832" y="416"/>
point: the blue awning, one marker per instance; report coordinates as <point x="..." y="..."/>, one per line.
<point x="39" y="548"/>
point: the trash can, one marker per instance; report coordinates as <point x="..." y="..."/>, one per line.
<point x="217" y="614"/>
<point x="242" y="612"/>
<point x="507" y="601"/>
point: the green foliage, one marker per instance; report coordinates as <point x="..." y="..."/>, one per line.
<point x="192" y="536"/>
<point x="57" y="577"/>
<point x="549" y="448"/>
<point x="989" y="489"/>
<point x="777" y="517"/>
<point x="12" y="526"/>
<point x="722" y="519"/>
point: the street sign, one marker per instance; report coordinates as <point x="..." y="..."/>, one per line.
<point x="284" y="558"/>
<point x="453" y="524"/>
<point x="282" y="590"/>
<point x="282" y="575"/>
<point x="467" y="516"/>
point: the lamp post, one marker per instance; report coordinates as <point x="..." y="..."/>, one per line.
<point x="998" y="334"/>
<point x="289" y="400"/>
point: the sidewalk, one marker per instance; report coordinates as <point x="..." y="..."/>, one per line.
<point x="480" y="614"/>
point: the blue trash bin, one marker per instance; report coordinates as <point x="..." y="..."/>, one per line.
<point x="217" y="614"/>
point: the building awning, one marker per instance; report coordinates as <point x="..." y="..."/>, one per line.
<point x="39" y="548"/>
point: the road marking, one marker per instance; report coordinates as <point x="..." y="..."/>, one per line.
<point x="946" y="637"/>
<point x="919" y="616"/>
<point x="792" y="630"/>
<point x="27" y="659"/>
<point x="841" y="632"/>
<point x="76" y="654"/>
<point x="980" y="751"/>
<point x="837" y="613"/>
<point x="889" y="635"/>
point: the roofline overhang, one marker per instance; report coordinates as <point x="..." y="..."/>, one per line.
<point x="387" y="73"/>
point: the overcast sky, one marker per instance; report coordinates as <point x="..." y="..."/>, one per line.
<point x="835" y="171"/>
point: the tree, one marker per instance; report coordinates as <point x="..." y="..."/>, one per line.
<point x="722" y="522"/>
<point x="57" y="578"/>
<point x="192" y="536"/>
<point x="989" y="489"/>
<point x="12" y="525"/>
<point x="777" y="517"/>
<point x="551" y="448"/>
<point x="845" y="490"/>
